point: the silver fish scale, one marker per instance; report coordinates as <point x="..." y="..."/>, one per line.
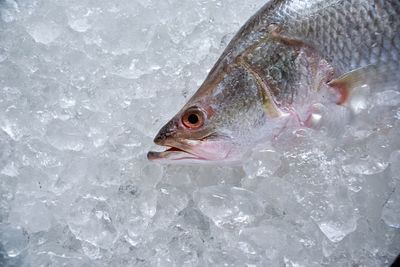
<point x="228" y="110"/>
<point x="348" y="33"/>
<point x="275" y="63"/>
<point x="332" y="37"/>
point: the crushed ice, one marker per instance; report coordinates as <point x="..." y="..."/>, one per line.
<point x="85" y="86"/>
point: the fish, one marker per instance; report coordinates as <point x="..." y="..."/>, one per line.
<point x="287" y="57"/>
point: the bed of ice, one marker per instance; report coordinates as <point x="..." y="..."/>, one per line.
<point x="84" y="87"/>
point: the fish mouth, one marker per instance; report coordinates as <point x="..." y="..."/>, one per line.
<point x="172" y="154"/>
<point x="175" y="151"/>
<point x="205" y="151"/>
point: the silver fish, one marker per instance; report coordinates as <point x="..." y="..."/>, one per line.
<point x="288" y="56"/>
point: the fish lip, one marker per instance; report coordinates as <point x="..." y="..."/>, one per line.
<point x="171" y="155"/>
<point x="183" y="149"/>
<point x="175" y="148"/>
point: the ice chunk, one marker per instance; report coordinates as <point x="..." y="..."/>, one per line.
<point x="189" y="232"/>
<point x="367" y="166"/>
<point x="208" y="176"/>
<point x="72" y="175"/>
<point x="9" y="10"/>
<point x="273" y="192"/>
<point x="195" y="221"/>
<point x="65" y="135"/>
<point x="10" y="170"/>
<point x="91" y="219"/>
<point x="12" y="128"/>
<point x="336" y="231"/>
<point x="57" y="246"/>
<point x="337" y="220"/>
<point x="270" y="238"/>
<point x="44" y="32"/>
<point x="15" y="239"/>
<point x="264" y="162"/>
<point x="387" y="98"/>
<point x="33" y="216"/>
<point x="374" y="161"/>
<point x="148" y="204"/>
<point x="5" y="151"/>
<point x="229" y="208"/>
<point x="79" y="24"/>
<point x="359" y="99"/>
<point x="135" y="211"/>
<point x="391" y="210"/>
<point x="151" y="175"/>
<point x="170" y="202"/>
<point x="395" y="164"/>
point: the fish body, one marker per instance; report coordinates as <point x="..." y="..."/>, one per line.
<point x="288" y="56"/>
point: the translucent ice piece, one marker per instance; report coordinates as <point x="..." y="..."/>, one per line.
<point x="229" y="207"/>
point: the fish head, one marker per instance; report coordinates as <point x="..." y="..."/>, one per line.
<point x="217" y="125"/>
<point x="192" y="138"/>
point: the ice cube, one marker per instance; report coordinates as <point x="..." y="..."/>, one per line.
<point x="44" y="32"/>
<point x="9" y="11"/>
<point x="15" y="239"/>
<point x="79" y="24"/>
<point x="91" y="220"/>
<point x="336" y="231"/>
<point x="337" y="220"/>
<point x="395" y="164"/>
<point x="367" y="166"/>
<point x="5" y="152"/>
<point x="387" y="98"/>
<point x="65" y="135"/>
<point x="170" y="201"/>
<point x="33" y="216"/>
<point x="391" y="210"/>
<point x="229" y="208"/>
<point x="264" y="162"/>
<point x="269" y="239"/>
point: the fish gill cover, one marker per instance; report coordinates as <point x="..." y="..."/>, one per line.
<point x="84" y="87"/>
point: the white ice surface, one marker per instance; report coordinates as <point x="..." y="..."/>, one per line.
<point x="84" y="87"/>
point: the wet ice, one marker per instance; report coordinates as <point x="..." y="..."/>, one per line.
<point x="85" y="87"/>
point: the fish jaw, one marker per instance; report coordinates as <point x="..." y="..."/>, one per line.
<point x="171" y="157"/>
<point x="192" y="152"/>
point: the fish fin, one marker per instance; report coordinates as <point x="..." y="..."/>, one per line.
<point x="377" y="77"/>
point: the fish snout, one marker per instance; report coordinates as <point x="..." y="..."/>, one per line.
<point x="168" y="130"/>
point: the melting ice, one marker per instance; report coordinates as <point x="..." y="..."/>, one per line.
<point x="84" y="87"/>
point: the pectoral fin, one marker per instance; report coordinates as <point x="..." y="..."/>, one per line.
<point x="376" y="77"/>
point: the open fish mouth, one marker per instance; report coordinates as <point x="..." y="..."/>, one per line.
<point x="206" y="150"/>
<point x="171" y="154"/>
<point x="190" y="152"/>
<point x="178" y="151"/>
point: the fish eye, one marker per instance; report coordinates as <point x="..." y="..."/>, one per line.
<point x="193" y="118"/>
